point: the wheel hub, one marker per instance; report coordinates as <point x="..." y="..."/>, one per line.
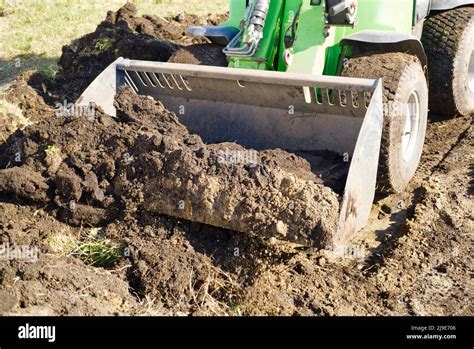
<point x="470" y="73"/>
<point x="411" y="126"/>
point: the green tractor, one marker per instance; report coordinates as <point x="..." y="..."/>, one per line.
<point x="352" y="77"/>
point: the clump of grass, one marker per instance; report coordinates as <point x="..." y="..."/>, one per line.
<point x="150" y="308"/>
<point x="100" y="46"/>
<point x="93" y="248"/>
<point x="62" y="243"/>
<point x="217" y="294"/>
<point x="234" y="310"/>
<point x="98" y="251"/>
<point x="52" y="150"/>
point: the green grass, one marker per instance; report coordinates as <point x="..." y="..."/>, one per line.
<point x="32" y="32"/>
<point x="52" y="150"/>
<point x="93" y="248"/>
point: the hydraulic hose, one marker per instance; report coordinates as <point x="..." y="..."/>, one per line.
<point x="254" y="33"/>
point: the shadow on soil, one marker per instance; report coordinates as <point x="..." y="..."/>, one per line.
<point x="233" y="252"/>
<point x="389" y="238"/>
<point x="10" y="69"/>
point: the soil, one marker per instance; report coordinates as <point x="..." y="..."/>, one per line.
<point x="67" y="174"/>
<point x="200" y="54"/>
<point x="121" y="34"/>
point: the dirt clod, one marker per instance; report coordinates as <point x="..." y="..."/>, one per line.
<point x="23" y="184"/>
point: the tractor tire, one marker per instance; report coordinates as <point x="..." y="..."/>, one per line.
<point x="448" y="38"/>
<point x="404" y="85"/>
<point x="200" y="54"/>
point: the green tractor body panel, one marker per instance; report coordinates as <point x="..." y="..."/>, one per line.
<point x="316" y="48"/>
<point x="236" y="14"/>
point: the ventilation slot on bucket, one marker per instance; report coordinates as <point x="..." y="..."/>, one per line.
<point x="139" y="80"/>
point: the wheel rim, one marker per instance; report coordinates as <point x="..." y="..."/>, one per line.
<point x="470" y="73"/>
<point x="411" y="127"/>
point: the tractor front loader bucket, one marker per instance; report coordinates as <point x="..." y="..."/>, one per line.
<point x="267" y="110"/>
